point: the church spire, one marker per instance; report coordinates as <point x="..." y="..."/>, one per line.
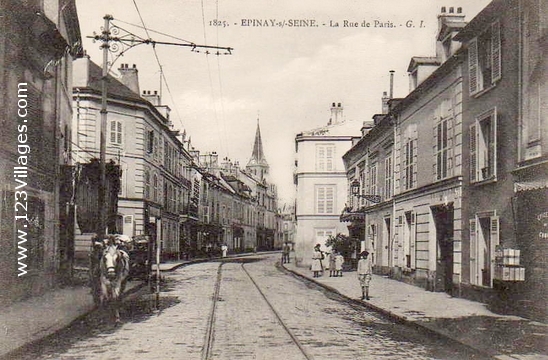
<point x="258" y="164"/>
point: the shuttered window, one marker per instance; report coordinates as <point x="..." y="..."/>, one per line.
<point x="325" y="199"/>
<point x="485" y="59"/>
<point x="116" y="132"/>
<point x="483" y="147"/>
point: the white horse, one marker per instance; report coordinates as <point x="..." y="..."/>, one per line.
<point x="114" y="270"/>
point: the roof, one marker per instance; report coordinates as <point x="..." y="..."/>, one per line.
<point x="257" y="156"/>
<point x="422" y="60"/>
<point x="481" y="20"/>
<point x="114" y="89"/>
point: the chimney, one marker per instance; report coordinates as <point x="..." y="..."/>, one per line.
<point x="384" y="100"/>
<point x="129" y="77"/>
<point x="153" y="97"/>
<point x="336" y="114"/>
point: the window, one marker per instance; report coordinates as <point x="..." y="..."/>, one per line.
<point x="409" y="171"/>
<point x="324" y="157"/>
<point x="156" y="194"/>
<point x="443" y="141"/>
<point x="483" y="147"/>
<point x="388" y="176"/>
<point x="150" y="142"/>
<point x="484" y="238"/>
<point x="147" y="185"/>
<point x="372" y="179"/>
<point x="484" y="59"/>
<point x="116" y="132"/>
<point x="409" y="240"/>
<point x="325" y="199"/>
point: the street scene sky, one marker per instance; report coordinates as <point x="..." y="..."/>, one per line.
<point x="291" y="61"/>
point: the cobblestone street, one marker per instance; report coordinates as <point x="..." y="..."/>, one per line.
<point x="295" y="319"/>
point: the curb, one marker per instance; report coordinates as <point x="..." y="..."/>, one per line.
<point x="395" y="317"/>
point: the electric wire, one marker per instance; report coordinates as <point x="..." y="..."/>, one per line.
<point x="211" y="81"/>
<point x="221" y="84"/>
<point x="160" y="65"/>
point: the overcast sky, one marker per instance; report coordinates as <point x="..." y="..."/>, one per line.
<point x="285" y="76"/>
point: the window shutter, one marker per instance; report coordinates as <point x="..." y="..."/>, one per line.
<point x="329" y="200"/>
<point x="494" y="231"/>
<point x="496" y="62"/>
<point x="113" y="132"/>
<point x="494" y="141"/>
<point x="473" y="66"/>
<point x="320" y="203"/>
<point x="415" y="157"/>
<point x="473" y="153"/>
<point x="119" y="133"/>
<point x="435" y="149"/>
<point x="473" y="252"/>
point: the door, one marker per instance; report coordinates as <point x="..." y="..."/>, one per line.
<point x="443" y="218"/>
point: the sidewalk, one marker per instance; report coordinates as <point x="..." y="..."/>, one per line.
<point x="467" y="322"/>
<point x="25" y="322"/>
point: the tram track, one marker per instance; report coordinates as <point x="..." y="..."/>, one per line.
<point x="207" y="351"/>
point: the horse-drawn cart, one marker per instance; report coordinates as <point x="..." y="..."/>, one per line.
<point x="136" y="253"/>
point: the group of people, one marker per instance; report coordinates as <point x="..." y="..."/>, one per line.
<point x="336" y="260"/>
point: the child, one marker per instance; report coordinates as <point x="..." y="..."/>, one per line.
<point x="365" y="270"/>
<point x="332" y="265"/>
<point x="339" y="261"/>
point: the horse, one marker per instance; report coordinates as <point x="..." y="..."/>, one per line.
<point x="114" y="270"/>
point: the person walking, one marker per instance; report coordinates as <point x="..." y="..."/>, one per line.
<point x="365" y="270"/>
<point x="317" y="257"/>
<point x="339" y="261"/>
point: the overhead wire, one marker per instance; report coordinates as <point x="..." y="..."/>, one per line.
<point x="221" y="84"/>
<point x="160" y="65"/>
<point x="211" y="81"/>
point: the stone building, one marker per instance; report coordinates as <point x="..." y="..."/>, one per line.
<point x="38" y="42"/>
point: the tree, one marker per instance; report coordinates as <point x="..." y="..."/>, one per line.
<point x="342" y="244"/>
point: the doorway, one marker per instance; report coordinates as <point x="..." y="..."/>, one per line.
<point x="443" y="219"/>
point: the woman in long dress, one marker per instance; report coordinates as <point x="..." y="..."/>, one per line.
<point x="317" y="256"/>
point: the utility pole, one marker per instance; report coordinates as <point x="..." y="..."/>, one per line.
<point x="127" y="40"/>
<point x="103" y="196"/>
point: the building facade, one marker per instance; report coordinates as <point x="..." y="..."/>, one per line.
<point x="141" y="141"/>
<point x="38" y="41"/>
<point x="321" y="184"/>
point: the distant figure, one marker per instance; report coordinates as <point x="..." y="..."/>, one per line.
<point x="339" y="261"/>
<point x="224" y="250"/>
<point x="365" y="270"/>
<point x="285" y="253"/>
<point x="317" y="257"/>
<point x="332" y="263"/>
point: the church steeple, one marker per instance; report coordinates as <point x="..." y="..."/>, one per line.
<point x="258" y="164"/>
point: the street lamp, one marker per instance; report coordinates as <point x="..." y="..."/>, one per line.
<point x="355" y="189"/>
